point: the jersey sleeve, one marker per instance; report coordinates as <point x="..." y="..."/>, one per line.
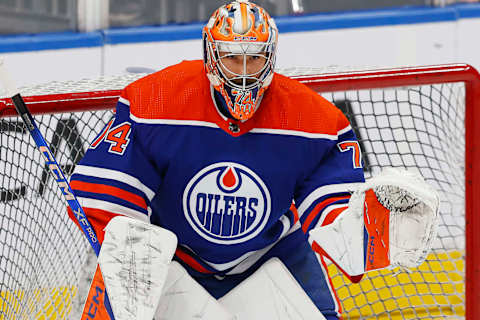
<point x="325" y="192"/>
<point x="117" y="175"/>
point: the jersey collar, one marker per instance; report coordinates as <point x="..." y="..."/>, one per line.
<point x="225" y="121"/>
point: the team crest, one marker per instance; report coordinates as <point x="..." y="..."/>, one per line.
<point x="226" y="203"/>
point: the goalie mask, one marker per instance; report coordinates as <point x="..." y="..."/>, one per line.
<point x="239" y="55"/>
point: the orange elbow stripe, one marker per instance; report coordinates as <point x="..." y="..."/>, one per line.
<point x="295" y="213"/>
<point x="109" y="190"/>
<point x="98" y="219"/>
<point x="332" y="215"/>
<point x="318" y="208"/>
<point x="189" y="260"/>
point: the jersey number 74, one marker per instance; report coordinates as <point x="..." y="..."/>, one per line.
<point x="116" y="136"/>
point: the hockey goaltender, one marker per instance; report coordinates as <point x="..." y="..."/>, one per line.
<point x="220" y="187"/>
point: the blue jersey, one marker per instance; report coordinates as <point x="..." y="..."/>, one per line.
<point x="228" y="189"/>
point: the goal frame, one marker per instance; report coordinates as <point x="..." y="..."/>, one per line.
<point x="345" y="81"/>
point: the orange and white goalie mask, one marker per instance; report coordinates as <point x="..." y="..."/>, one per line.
<point x="239" y="42"/>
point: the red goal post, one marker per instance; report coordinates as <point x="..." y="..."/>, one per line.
<point x="369" y="96"/>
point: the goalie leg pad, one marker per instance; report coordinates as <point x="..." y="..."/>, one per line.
<point x="134" y="261"/>
<point x="270" y="293"/>
<point x="184" y="299"/>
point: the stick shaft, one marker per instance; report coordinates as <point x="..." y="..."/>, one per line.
<point x="56" y="172"/>
<point x="52" y="164"/>
<point x="12" y="91"/>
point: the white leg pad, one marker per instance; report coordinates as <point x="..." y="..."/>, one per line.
<point x="134" y="261"/>
<point x="185" y="299"/>
<point x="270" y="293"/>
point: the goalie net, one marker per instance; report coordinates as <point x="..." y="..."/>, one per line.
<point x="416" y="118"/>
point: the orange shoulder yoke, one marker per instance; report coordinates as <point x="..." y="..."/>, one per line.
<point x="177" y="92"/>
<point x="291" y="105"/>
<point x="182" y="92"/>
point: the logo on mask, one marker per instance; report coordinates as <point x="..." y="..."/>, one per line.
<point x="244" y="38"/>
<point x="244" y="103"/>
<point x="226" y="203"/>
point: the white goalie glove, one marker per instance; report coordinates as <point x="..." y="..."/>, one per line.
<point x="395" y="213"/>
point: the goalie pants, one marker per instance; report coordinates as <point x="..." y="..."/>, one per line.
<point x="297" y="255"/>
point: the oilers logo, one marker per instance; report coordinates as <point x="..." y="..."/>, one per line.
<point x="226" y="203"/>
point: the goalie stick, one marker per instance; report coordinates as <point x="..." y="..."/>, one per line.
<point x="51" y="162"/>
<point x="21" y="107"/>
